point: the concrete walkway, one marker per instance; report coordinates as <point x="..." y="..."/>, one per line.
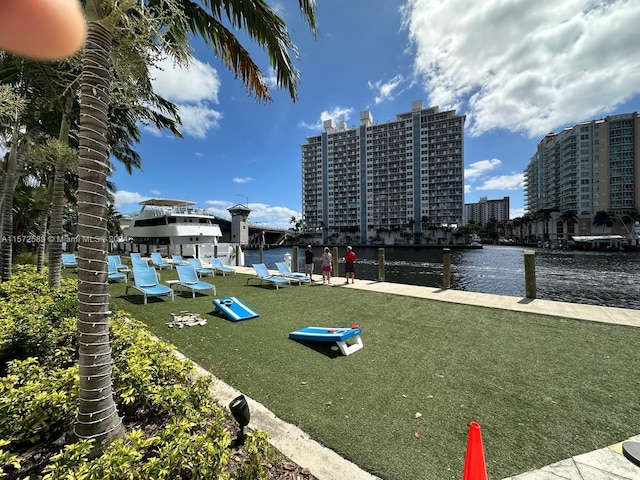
<point x="605" y="464"/>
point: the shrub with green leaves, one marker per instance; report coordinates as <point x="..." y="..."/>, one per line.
<point x="195" y="448"/>
<point x="38" y="395"/>
<point x="36" y="403"/>
<point x="7" y="459"/>
<point x="30" y="317"/>
<point x="256" y="447"/>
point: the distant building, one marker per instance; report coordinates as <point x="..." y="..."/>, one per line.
<point x="591" y="167"/>
<point x="485" y="210"/>
<point x="392" y="176"/>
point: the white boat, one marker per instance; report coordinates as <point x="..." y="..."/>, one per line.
<point x="177" y="227"/>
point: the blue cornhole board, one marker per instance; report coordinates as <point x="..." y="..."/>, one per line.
<point x="340" y="335"/>
<point x="234" y="309"/>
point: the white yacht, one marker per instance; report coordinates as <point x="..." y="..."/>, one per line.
<point x="177" y="227"/>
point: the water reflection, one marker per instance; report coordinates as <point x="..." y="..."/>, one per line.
<point x="596" y="278"/>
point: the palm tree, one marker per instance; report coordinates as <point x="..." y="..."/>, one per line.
<point x="12" y="107"/>
<point x="527" y="219"/>
<point x="97" y="415"/>
<point x="630" y="217"/>
<point x="603" y="219"/>
<point x="517" y="227"/>
<point x="544" y="215"/>
<point x="569" y="217"/>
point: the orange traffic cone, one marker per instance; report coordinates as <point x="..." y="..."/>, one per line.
<point x="474" y="466"/>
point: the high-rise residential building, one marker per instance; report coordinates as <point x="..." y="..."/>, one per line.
<point x="395" y="176"/>
<point x="485" y="210"/>
<point x="591" y="167"/>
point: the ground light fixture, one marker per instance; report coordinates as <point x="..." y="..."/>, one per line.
<point x="240" y="411"/>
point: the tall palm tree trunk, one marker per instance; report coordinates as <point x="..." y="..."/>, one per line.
<point x="57" y="202"/>
<point x="42" y="244"/>
<point x="7" y="206"/>
<point x="97" y="412"/>
<point x="44" y="225"/>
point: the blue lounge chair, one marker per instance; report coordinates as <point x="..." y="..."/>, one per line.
<point x="139" y="263"/>
<point x="263" y="275"/>
<point x="189" y="280"/>
<point x="146" y="282"/>
<point x="177" y="260"/>
<point x="158" y="261"/>
<point x="200" y="270"/>
<point x="69" y="260"/>
<point x="133" y="255"/>
<point x="118" y="263"/>
<point x="298" y="277"/>
<point x="218" y="266"/>
<point x="112" y="273"/>
<point x="340" y="335"/>
<point x="234" y="309"/>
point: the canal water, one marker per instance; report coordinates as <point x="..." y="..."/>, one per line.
<point x="595" y="278"/>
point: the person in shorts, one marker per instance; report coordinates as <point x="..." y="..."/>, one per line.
<point x="308" y="262"/>
<point x="349" y="261"/>
<point x="327" y="265"/>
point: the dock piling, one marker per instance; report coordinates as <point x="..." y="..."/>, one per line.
<point x="446" y="268"/>
<point x="381" y="264"/>
<point x="530" y="273"/>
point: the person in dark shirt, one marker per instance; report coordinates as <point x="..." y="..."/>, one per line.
<point x="349" y="261"/>
<point x="308" y="262"/>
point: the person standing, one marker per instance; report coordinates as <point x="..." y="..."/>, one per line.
<point x="327" y="265"/>
<point x="349" y="261"/>
<point x="308" y="262"/>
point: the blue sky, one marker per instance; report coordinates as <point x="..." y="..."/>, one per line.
<point x="517" y="69"/>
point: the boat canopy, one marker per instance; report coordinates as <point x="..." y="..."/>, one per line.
<point x="593" y="238"/>
<point x="165" y="202"/>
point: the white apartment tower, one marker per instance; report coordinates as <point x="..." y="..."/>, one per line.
<point x="485" y="210"/>
<point x="393" y="176"/>
<point x="590" y="167"/>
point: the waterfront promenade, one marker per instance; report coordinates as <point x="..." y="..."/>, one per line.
<point x="604" y="464"/>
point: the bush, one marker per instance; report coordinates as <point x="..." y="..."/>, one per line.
<point x="186" y="436"/>
<point x="36" y="403"/>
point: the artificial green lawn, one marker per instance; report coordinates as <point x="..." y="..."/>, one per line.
<point x="542" y="388"/>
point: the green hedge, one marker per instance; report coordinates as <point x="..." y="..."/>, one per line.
<point x="39" y="388"/>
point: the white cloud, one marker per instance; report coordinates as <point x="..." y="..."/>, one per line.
<point x="155" y="192"/>
<point x="279" y="8"/>
<point x="194" y="83"/>
<point x="526" y="66"/>
<point x="271" y="79"/>
<point x="192" y="88"/>
<point x="385" y="90"/>
<point x="515" y="181"/>
<point x="125" y="201"/>
<point x="337" y="114"/>
<point x="270" y="215"/>
<point x="261" y="213"/>
<point x="242" y="179"/>
<point x="467" y="188"/>
<point x="198" y="119"/>
<point x="516" y="212"/>
<point x="480" y="168"/>
<point x="219" y="208"/>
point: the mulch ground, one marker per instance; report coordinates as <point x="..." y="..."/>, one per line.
<point x="34" y="459"/>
